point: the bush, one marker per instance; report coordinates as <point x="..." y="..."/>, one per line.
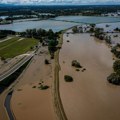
<point x="68" y="41"/>
<point x="116" y="65"/>
<point x="3" y="59"/>
<point x="77" y="70"/>
<point x="68" y="78"/>
<point x="34" y="87"/>
<point x="75" y="29"/>
<point x="114" y="78"/>
<point x="46" y="62"/>
<point x="76" y="64"/>
<point x="44" y="87"/>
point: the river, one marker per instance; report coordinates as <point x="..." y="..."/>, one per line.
<point x="89" y="96"/>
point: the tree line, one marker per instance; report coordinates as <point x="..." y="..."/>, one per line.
<point x="47" y="38"/>
<point x="5" y="33"/>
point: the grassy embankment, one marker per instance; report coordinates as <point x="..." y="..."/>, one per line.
<point x="14" y="47"/>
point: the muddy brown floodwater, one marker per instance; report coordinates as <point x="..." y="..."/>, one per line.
<point x="30" y="103"/>
<point x="89" y="96"/>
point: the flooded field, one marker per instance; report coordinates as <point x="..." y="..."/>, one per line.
<point x="44" y="24"/>
<point x="62" y="22"/>
<point x="89" y="96"/>
<point x="88" y="19"/>
<point x="28" y="101"/>
<point x="111" y="26"/>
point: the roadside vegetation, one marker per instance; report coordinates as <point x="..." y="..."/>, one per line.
<point x="5" y="33"/>
<point x="9" y="80"/>
<point x="14" y="47"/>
<point x="47" y="38"/>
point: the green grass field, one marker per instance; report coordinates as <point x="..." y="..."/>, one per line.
<point x="8" y="42"/>
<point x="14" y="47"/>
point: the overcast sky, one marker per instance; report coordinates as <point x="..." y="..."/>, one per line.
<point x="62" y="1"/>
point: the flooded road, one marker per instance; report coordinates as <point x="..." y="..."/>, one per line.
<point x="89" y="96"/>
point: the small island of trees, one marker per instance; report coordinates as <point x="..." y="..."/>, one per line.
<point x="115" y="50"/>
<point x="75" y="29"/>
<point x="68" y="78"/>
<point x="114" y="78"/>
<point x="76" y="64"/>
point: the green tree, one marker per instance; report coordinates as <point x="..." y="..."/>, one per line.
<point x="52" y="45"/>
<point x="3" y="59"/>
<point x="116" y="65"/>
<point x="75" y="29"/>
<point x="68" y="78"/>
<point x="114" y="78"/>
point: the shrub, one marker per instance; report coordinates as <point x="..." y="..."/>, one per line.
<point x="116" y="65"/>
<point x="31" y="48"/>
<point x="77" y="70"/>
<point x="46" y="61"/>
<point x="76" y="64"/>
<point x="68" y="78"/>
<point x="44" y="87"/>
<point x="75" y="29"/>
<point x="68" y="41"/>
<point x="2" y="58"/>
<point x="114" y="78"/>
<point x="34" y="87"/>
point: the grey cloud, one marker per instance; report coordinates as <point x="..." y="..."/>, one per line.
<point x="61" y="1"/>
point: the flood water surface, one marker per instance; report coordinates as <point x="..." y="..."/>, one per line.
<point x="44" y="24"/>
<point x="89" y="96"/>
<point x="88" y="19"/>
<point x="57" y="24"/>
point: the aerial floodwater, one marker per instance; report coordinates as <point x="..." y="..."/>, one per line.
<point x="59" y="62"/>
<point x="44" y="24"/>
<point x="56" y="24"/>
<point x="89" y="97"/>
<point x="88" y="19"/>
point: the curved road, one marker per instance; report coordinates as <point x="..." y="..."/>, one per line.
<point x="15" y="67"/>
<point x="3" y="112"/>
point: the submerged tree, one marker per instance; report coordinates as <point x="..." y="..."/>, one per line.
<point x="76" y="64"/>
<point x="75" y="29"/>
<point x="114" y="78"/>
<point x="68" y="78"/>
<point x="116" y="65"/>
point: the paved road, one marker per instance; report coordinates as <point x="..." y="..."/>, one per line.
<point x="8" y="105"/>
<point x="15" y="67"/>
